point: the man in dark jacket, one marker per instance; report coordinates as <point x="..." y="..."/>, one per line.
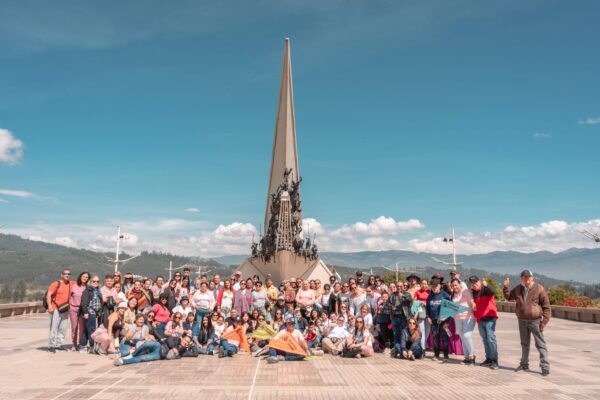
<point x="533" y="311"/>
<point x="432" y="308"/>
<point x="486" y="313"/>
<point x="399" y="303"/>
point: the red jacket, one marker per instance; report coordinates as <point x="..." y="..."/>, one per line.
<point x="485" y="302"/>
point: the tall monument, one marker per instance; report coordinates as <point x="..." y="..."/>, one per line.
<point x="284" y="251"/>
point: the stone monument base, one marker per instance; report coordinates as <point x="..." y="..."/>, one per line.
<point x="285" y="265"/>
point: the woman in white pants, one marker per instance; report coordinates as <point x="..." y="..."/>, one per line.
<point x="465" y="321"/>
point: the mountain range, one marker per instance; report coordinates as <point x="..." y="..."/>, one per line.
<point x="40" y="262"/>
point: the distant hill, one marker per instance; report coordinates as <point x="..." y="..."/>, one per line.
<point x="574" y="264"/>
<point x="39" y="262"/>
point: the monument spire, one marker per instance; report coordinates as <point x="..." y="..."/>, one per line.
<point x="285" y="151"/>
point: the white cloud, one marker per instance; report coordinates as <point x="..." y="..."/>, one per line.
<point x="590" y="121"/>
<point x="378" y="226"/>
<point x="192" y="210"/>
<point x="11" y="148"/>
<point x="197" y="238"/>
<point x="4" y="201"/>
<point x="18" y="193"/>
<point x="540" y="135"/>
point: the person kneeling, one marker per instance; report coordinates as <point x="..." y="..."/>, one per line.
<point x="287" y="345"/>
<point x="410" y="342"/>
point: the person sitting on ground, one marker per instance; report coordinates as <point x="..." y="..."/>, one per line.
<point x="146" y="346"/>
<point x="335" y="337"/>
<point x="312" y="336"/>
<point x="174" y="328"/>
<point x="205" y="339"/>
<point x="188" y="325"/>
<point x="359" y="343"/>
<point x="106" y="338"/>
<point x="185" y="348"/>
<point x="410" y="344"/>
<point x="300" y="321"/>
<point x="290" y="334"/>
<point x="230" y="346"/>
<point x="131" y="312"/>
<point x="219" y="327"/>
<point x="233" y="315"/>
<point x="162" y="313"/>
<point x="184" y="306"/>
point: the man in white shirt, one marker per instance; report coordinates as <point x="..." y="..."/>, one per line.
<point x="276" y="355"/>
<point x="237" y="276"/>
<point x="335" y="337"/>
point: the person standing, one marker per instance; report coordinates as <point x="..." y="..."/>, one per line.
<point x="464" y="321"/>
<point x="486" y="313"/>
<point x="91" y="305"/>
<point x="400" y="302"/>
<point x="77" y="322"/>
<point x="433" y="307"/>
<point x="533" y="312"/>
<point x="57" y="297"/>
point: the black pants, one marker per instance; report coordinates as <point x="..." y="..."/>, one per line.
<point x="387" y="338"/>
<point x="438" y="332"/>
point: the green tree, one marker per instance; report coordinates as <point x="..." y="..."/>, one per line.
<point x="19" y="290"/>
<point x="390" y="277"/>
<point x="558" y="295"/>
<point x="497" y="288"/>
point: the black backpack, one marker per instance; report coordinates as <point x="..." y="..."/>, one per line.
<point x="45" y="299"/>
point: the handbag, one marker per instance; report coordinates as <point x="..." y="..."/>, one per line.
<point x="350" y="353"/>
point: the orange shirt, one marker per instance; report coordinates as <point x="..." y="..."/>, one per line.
<point x="60" y="296"/>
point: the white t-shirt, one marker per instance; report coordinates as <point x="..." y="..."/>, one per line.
<point x="359" y="337"/>
<point x="338" y="332"/>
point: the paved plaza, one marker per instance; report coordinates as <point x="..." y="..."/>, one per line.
<point x="28" y="372"/>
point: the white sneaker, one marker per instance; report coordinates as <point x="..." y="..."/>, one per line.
<point x="118" y="362"/>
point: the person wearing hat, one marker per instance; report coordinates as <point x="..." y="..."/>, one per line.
<point x="236" y="278"/>
<point x="432" y="309"/>
<point x="486" y="313"/>
<point x="183" y="307"/>
<point x="276" y="355"/>
<point x="533" y="312"/>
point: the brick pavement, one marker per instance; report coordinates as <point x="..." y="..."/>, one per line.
<point x="28" y="372"/>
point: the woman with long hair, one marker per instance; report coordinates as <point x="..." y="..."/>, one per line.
<point x="131" y="312"/>
<point x="334" y="299"/>
<point x="464" y="322"/>
<point x="359" y="343"/>
<point x="174" y="327"/>
<point x="162" y="314"/>
<point x="185" y="287"/>
<point x="225" y="298"/>
<point x="278" y="322"/>
<point x="77" y="321"/>
<point x="205" y="340"/>
<point x="410" y="342"/>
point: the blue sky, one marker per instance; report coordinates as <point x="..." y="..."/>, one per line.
<point x="481" y="116"/>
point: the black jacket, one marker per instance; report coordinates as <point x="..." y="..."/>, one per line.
<point x="86" y="298"/>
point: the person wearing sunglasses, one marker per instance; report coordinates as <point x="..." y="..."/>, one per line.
<point x="410" y="344"/>
<point x="359" y="343"/>
<point x="175" y="326"/>
<point x="77" y="322"/>
<point x="335" y="336"/>
<point x="57" y="298"/>
<point x="91" y="305"/>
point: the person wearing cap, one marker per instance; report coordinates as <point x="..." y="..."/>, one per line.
<point x="533" y="312"/>
<point x="432" y="308"/>
<point x="276" y="355"/>
<point x="486" y="313"/>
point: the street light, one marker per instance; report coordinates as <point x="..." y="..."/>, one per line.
<point x="453" y="263"/>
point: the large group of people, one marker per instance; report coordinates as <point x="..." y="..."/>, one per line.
<point x="150" y="319"/>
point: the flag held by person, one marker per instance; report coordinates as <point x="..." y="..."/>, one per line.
<point x="287" y="344"/>
<point x="450" y="308"/>
<point x="264" y="332"/>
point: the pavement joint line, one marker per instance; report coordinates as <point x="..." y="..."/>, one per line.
<point x="107" y="387"/>
<point x="82" y="384"/>
<point x="254" y="380"/>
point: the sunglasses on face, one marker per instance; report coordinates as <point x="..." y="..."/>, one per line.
<point x="96" y="281"/>
<point x="150" y="315"/>
<point x="261" y="319"/>
<point x="66" y="273"/>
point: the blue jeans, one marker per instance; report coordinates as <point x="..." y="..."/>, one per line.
<point x="398" y="325"/>
<point x="210" y="347"/>
<point x="228" y="349"/>
<point x="125" y="348"/>
<point x="314" y="343"/>
<point x="147" y="351"/>
<point x="438" y="332"/>
<point x="88" y="329"/>
<point x="487" y="331"/>
<point x="160" y="329"/>
<point x="288" y="356"/>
